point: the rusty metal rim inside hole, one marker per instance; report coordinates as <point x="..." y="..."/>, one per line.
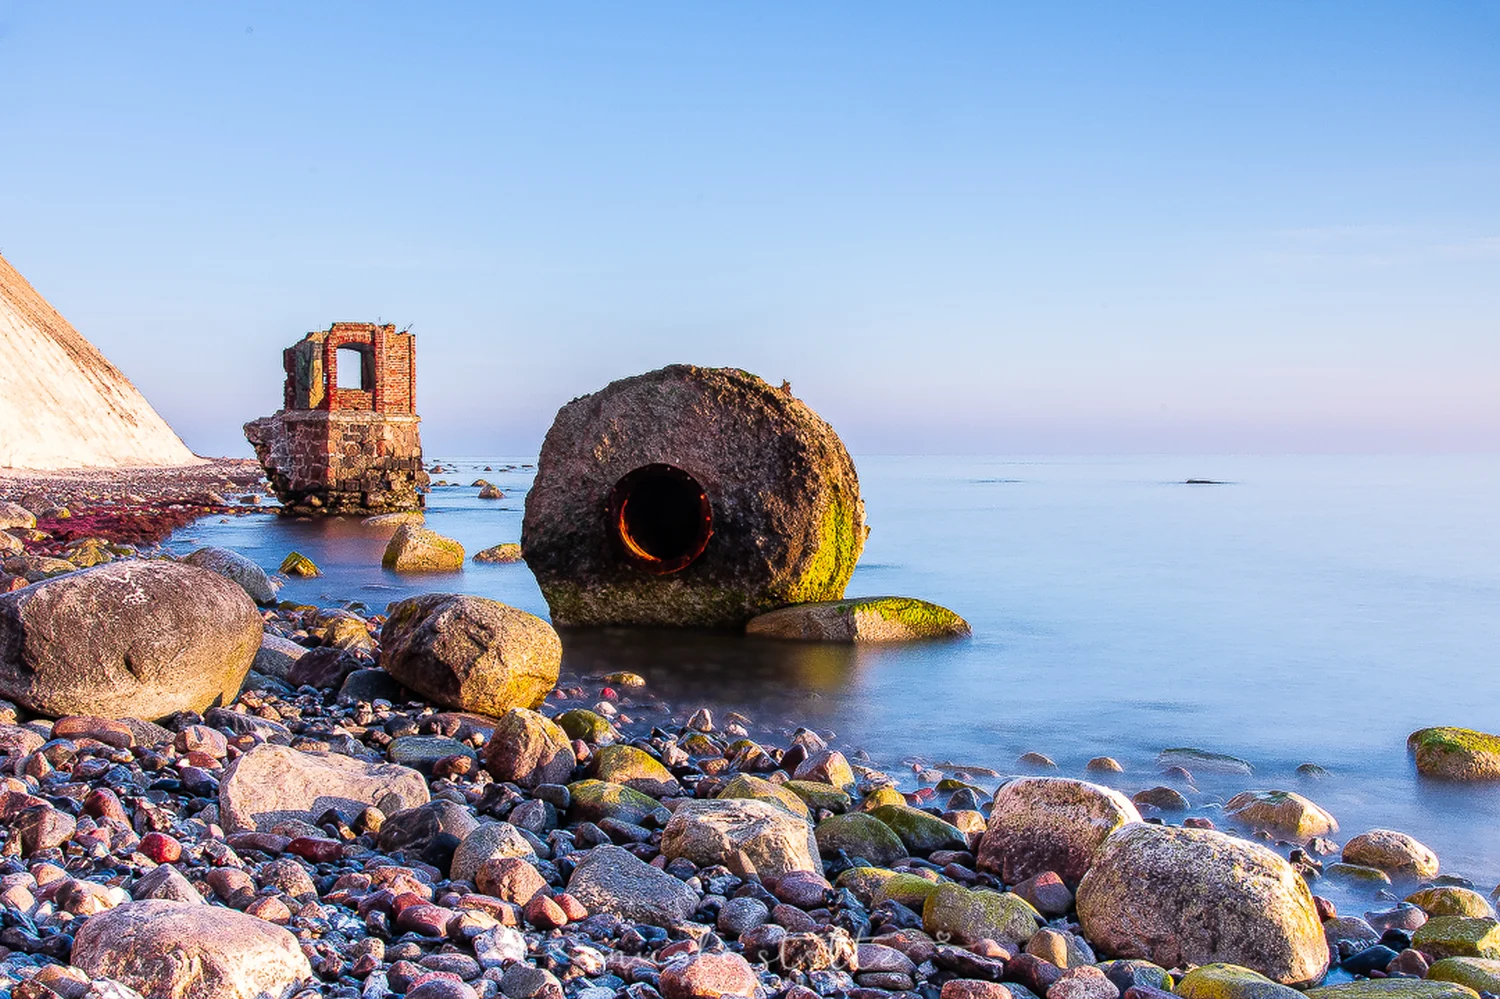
<point x="630" y="547"/>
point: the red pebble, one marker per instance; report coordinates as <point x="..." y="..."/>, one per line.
<point x="319" y="851"/>
<point x="425" y="918"/>
<point x="105" y="804"/>
<point x="544" y="913"/>
<point x="609" y="694"/>
<point x="571" y="907"/>
<point x="161" y="848"/>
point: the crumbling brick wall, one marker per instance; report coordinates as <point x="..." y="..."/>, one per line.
<point x="345" y="450"/>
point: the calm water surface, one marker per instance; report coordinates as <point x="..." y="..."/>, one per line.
<point x="1309" y="609"/>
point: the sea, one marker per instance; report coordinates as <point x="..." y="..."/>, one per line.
<point x="1291" y="610"/>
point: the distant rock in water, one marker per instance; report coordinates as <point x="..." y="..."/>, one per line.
<point x="62" y="404"/>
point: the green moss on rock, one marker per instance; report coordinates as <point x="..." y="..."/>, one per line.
<point x="760" y="789"/>
<point x="592" y="800"/>
<point x="816" y="794"/>
<point x="859" y="835"/>
<point x="970" y="915"/>
<point x="1231" y="981"/>
<point x="1477" y="973"/>
<point x="1392" y="988"/>
<point x="590" y="726"/>
<point x="861" y="619"/>
<point x="1455" y="753"/>
<point x="1458" y="936"/>
<point x="922" y="833"/>
<point x="1451" y="900"/>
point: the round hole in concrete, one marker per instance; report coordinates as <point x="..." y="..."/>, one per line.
<point x="661" y="518"/>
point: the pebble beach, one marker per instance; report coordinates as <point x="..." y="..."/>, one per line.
<point x="326" y="829"/>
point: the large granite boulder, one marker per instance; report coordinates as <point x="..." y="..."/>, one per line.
<point x="270" y="783"/>
<point x="135" y="638"/>
<point x="15" y="515"/>
<point x="1056" y="824"/>
<point x="237" y="569"/>
<point x="690" y="497"/>
<point x="745" y="836"/>
<point x="470" y="653"/>
<point x="860" y="619"/>
<point x="1194" y="896"/>
<point x="182" y="950"/>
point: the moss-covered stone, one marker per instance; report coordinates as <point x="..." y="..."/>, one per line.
<point x="859" y="835"/>
<point x="864" y="882"/>
<point x="921" y="832"/>
<point x="590" y="726"/>
<point x="499" y="554"/>
<point x="1230" y="981"/>
<point x="911" y="890"/>
<point x="970" y="915"/>
<point x="1458" y="936"/>
<point x="416" y="549"/>
<point x="1451" y="900"/>
<point x="760" y="789"/>
<point x="1392" y="988"/>
<point x="861" y="619"/>
<point x="634" y="768"/>
<point x="1285" y="813"/>
<point x="884" y="795"/>
<point x="816" y="794"/>
<point x="1477" y="973"/>
<point x="297" y="564"/>
<point x="592" y="800"/>
<point x="1455" y="753"/>
<point x="1357" y="874"/>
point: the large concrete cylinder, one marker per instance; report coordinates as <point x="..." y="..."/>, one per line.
<point x="690" y="497"/>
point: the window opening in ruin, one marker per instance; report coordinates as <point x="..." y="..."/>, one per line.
<point x="661" y="518"/>
<point x="356" y="366"/>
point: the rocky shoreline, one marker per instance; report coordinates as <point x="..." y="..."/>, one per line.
<point x="323" y="829"/>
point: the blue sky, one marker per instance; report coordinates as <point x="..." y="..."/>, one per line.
<point x="954" y="227"/>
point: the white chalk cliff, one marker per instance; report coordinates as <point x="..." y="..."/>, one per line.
<point x="62" y="404"/>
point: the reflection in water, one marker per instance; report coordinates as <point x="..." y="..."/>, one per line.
<point x="768" y="679"/>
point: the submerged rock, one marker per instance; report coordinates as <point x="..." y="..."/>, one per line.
<point x="416" y="549"/>
<point x="1193" y="896"/>
<point x="861" y="619"/>
<point x="129" y="639"/>
<point x="1455" y="753"/>
<point x="690" y="497"/>
<point x="1202" y="761"/>
<point x="499" y="554"/>
<point x="470" y="653"/>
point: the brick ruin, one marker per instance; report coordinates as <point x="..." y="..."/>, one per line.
<point x="345" y="441"/>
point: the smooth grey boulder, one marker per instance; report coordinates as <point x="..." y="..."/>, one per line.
<point x="272" y="783"/>
<point x="237" y="569"/>
<point x="612" y="879"/>
<point x="491" y="841"/>
<point x="277" y="655"/>
<point x="133" y="638"/>
<point x="747" y="836"/>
